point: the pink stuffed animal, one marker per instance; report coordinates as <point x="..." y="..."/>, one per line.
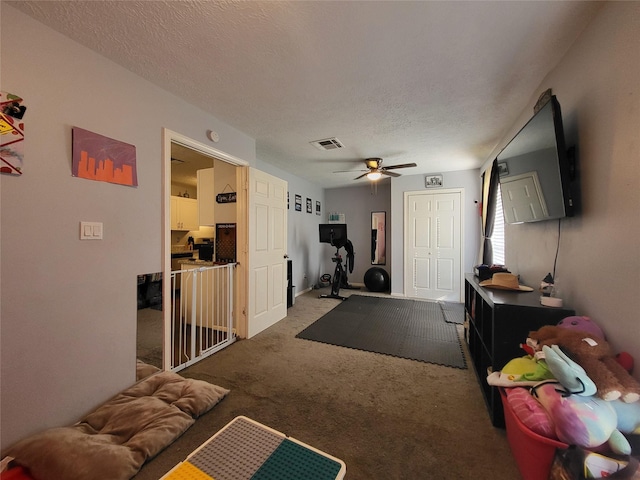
<point x="582" y="323"/>
<point x="585" y="421"/>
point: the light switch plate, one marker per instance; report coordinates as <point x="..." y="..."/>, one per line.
<point x="91" y="230"/>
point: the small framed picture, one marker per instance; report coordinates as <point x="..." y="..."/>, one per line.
<point x="298" y="203"/>
<point x="309" y="205"/>
<point x="433" y="181"/>
<point x="503" y="168"/>
<point x="318" y="207"/>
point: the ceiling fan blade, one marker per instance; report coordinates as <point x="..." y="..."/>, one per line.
<point x="349" y="171"/>
<point x="391" y="174"/>
<point x="363" y="175"/>
<point x="402" y="165"/>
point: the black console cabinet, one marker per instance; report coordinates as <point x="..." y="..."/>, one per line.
<point x="497" y="322"/>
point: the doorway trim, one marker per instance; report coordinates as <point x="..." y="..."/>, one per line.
<point x="405" y="231"/>
<point x="169" y="137"/>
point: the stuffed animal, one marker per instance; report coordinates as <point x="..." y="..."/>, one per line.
<point x="587" y="325"/>
<point x="570" y="375"/>
<point x="626" y="360"/>
<point x="585" y="421"/>
<point x="582" y="323"/>
<point x="519" y="372"/>
<point x="595" y="357"/>
<point x="628" y="416"/>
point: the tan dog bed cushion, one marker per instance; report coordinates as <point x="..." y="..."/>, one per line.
<point x="115" y="440"/>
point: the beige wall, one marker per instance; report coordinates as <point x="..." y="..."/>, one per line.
<point x="68" y="310"/>
<point x="357" y="203"/>
<point x="469" y="182"/>
<point x="598" y="87"/>
<point x="68" y="307"/>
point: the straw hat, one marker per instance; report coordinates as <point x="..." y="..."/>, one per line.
<point x="505" y="281"/>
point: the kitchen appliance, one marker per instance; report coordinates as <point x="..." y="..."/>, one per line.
<point x="205" y="252"/>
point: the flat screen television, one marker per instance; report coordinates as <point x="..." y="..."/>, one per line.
<point x="333" y="233"/>
<point x="534" y="170"/>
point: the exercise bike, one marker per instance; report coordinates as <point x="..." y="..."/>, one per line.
<point x="336" y="235"/>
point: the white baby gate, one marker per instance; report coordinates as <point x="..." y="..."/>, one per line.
<point x="202" y="313"/>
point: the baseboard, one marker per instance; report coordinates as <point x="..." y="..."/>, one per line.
<point x="304" y="291"/>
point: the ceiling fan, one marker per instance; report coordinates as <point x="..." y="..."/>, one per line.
<point x="375" y="170"/>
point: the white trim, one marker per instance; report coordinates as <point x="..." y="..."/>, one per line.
<point x="462" y="222"/>
<point x="168" y="137"/>
<point x="302" y="292"/>
<point x="200" y="147"/>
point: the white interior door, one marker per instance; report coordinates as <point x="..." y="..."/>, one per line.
<point x="522" y="198"/>
<point x="267" y="302"/>
<point x="433" y="246"/>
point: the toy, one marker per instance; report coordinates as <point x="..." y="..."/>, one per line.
<point x="626" y="360"/>
<point x="530" y="412"/>
<point x="582" y="323"/>
<point x="571" y="375"/>
<point x="528" y="349"/>
<point x="588" y="422"/>
<point x="520" y="372"/>
<point x="628" y="416"/>
<point x="595" y="357"/>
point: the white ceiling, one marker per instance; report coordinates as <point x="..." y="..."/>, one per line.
<point x="435" y="83"/>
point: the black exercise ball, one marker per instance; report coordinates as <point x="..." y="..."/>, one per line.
<point x="376" y="279"/>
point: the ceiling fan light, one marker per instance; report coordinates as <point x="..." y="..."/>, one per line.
<point x="374" y="175"/>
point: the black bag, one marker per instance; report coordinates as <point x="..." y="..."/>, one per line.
<point x="568" y="464"/>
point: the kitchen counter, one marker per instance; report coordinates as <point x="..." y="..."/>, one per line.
<point x="183" y="255"/>
<point x="186" y="263"/>
<point x="179" y="256"/>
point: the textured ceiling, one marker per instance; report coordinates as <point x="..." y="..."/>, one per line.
<point x="435" y="83"/>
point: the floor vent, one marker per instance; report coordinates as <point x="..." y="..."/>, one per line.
<point x="327" y="144"/>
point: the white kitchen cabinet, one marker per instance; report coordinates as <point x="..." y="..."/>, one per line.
<point x="184" y="213"/>
<point x="206" y="197"/>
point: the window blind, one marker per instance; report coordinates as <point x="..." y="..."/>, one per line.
<point x="497" y="239"/>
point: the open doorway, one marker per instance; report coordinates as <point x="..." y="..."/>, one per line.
<point x="197" y="175"/>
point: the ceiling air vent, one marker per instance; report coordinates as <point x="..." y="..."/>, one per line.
<point x="327" y="144"/>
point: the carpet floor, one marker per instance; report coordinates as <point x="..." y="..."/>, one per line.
<point x="404" y="328"/>
<point x="385" y="417"/>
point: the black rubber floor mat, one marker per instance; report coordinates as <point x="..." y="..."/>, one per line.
<point x="453" y="312"/>
<point x="410" y="329"/>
